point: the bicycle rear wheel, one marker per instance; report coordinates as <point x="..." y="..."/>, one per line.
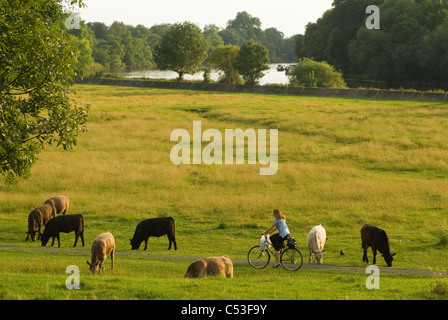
<point x="257" y="258"/>
<point x="291" y="259"/>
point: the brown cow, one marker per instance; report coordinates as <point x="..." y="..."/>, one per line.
<point x="211" y="266"/>
<point x="38" y="217"/>
<point x="103" y="245"/>
<point x="59" y="204"/>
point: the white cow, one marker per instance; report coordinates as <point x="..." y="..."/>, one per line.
<point x="316" y="243"/>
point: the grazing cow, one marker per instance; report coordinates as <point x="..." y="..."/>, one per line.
<point x="212" y="266"/>
<point x="316" y="242"/>
<point x="103" y="245"/>
<point x="376" y="238"/>
<point x="67" y="223"/>
<point x="59" y="204"/>
<point x="154" y="227"/>
<point x="38" y="217"/>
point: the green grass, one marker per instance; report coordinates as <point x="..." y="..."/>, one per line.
<point x="342" y="163"/>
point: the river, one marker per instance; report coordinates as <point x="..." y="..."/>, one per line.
<point x="272" y="76"/>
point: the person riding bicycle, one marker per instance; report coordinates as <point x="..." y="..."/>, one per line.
<point x="277" y="239"/>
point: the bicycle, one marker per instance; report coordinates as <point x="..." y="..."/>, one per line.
<point x="291" y="257"/>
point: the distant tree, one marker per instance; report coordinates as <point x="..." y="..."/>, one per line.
<point x="251" y="61"/>
<point x="273" y="40"/>
<point x="182" y="49"/>
<point x="310" y="73"/>
<point x="411" y="45"/>
<point x="211" y="34"/>
<point x="231" y="36"/>
<point x="247" y="26"/>
<point x="99" y="29"/>
<point x="37" y="69"/>
<point x="327" y="39"/>
<point x="223" y="58"/>
<point x="110" y="53"/>
<point x="85" y="41"/>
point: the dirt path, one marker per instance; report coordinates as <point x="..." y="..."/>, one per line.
<point x="239" y="261"/>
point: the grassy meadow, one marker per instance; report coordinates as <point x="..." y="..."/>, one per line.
<point x="342" y="163"/>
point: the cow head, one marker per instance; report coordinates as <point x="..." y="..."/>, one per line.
<point x="32" y="235"/>
<point x="93" y="267"/>
<point x="135" y="244"/>
<point x="44" y="239"/>
<point x="388" y="258"/>
<point x="318" y="256"/>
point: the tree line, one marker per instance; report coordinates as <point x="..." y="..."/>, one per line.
<point x="411" y="44"/>
<point x="120" y="46"/>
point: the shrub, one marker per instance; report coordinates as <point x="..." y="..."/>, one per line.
<point x="310" y="73"/>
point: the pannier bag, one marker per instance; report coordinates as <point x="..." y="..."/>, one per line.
<point x="292" y="243"/>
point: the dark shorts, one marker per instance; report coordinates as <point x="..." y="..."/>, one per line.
<point x="277" y="241"/>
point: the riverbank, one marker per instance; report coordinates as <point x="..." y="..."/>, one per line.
<point x="282" y="90"/>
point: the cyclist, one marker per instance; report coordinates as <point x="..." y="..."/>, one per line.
<point x="277" y="239"/>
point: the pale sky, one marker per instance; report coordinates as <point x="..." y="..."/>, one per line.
<point x="288" y="16"/>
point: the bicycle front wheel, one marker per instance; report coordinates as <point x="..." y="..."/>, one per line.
<point x="257" y="258"/>
<point x="291" y="259"/>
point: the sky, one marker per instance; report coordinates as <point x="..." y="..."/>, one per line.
<point x="288" y="16"/>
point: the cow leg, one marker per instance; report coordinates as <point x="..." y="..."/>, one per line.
<point x="374" y="255"/>
<point x="146" y="243"/>
<point x="112" y="259"/>
<point x="76" y="239"/>
<point x="52" y="242"/>
<point x="59" y="242"/>
<point x="309" y="258"/>
<point x="364" y="257"/>
<point x="82" y="237"/>
<point x="172" y="240"/>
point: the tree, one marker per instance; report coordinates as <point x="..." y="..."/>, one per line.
<point x="251" y="61"/>
<point x="247" y="26"/>
<point x="409" y="47"/>
<point x="310" y="73"/>
<point x="327" y="39"/>
<point x="223" y="58"/>
<point x="211" y="34"/>
<point x="38" y="65"/>
<point x="182" y="49"/>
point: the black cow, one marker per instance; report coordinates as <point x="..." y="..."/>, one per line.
<point x="154" y="227"/>
<point x="67" y="223"/>
<point x="376" y="238"/>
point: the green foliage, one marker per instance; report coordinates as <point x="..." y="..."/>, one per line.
<point x="410" y="45"/>
<point x="252" y="60"/>
<point x="40" y="60"/>
<point x="310" y="73"/>
<point x="182" y="49"/>
<point x="122" y="46"/>
<point x="245" y="27"/>
<point x="223" y="58"/>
